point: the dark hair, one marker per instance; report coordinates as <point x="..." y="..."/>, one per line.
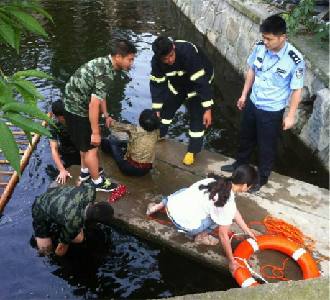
<point x="274" y="24"/>
<point x="148" y="120"/>
<point x="122" y="47"/>
<point x="58" y="108"/>
<point x="99" y="212"/>
<point x="162" y="46"/>
<point x="219" y="190"/>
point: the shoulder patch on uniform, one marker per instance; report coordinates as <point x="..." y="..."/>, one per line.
<point x="260" y="42"/>
<point x="294" y="57"/>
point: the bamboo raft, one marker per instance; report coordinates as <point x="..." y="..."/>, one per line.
<point x="8" y="177"/>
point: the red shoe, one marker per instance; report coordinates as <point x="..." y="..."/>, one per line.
<point x="117" y="193"/>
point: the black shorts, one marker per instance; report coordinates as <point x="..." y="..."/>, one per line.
<point x="80" y="131"/>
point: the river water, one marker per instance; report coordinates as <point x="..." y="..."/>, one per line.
<point x="129" y="267"/>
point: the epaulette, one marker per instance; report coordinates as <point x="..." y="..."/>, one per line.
<point x="294" y="57"/>
<point x="260" y="42"/>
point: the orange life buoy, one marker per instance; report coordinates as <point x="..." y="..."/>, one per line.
<point x="272" y="242"/>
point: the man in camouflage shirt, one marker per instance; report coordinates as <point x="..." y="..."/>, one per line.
<point x="85" y="96"/>
<point x="68" y="209"/>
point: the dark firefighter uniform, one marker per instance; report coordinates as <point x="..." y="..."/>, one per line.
<point x="187" y="80"/>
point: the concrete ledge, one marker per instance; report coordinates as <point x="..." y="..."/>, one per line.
<point x="295" y="290"/>
<point x="298" y="203"/>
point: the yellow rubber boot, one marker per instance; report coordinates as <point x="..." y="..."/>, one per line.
<point x="188" y="159"/>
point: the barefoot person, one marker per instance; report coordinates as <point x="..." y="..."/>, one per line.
<point x="139" y="156"/>
<point x="207" y="204"/>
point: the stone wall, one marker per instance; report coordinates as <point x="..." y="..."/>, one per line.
<point x="232" y="26"/>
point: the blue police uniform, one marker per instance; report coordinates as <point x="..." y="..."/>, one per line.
<point x="276" y="76"/>
<point x="187" y="81"/>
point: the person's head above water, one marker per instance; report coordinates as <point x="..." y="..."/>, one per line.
<point x="241" y="180"/>
<point x="164" y="50"/>
<point x="148" y="120"/>
<point x="122" y="54"/>
<point x="99" y="212"/>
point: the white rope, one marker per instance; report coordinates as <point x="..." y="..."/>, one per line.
<point x="235" y="234"/>
<point x="251" y="270"/>
<point x="245" y="261"/>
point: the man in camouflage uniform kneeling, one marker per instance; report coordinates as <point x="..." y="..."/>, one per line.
<point x="69" y="209"/>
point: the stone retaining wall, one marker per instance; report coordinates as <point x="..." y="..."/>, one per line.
<point x="233" y="28"/>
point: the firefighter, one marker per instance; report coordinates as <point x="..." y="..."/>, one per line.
<point x="181" y="73"/>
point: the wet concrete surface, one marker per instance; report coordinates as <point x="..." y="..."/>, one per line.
<point x="300" y="204"/>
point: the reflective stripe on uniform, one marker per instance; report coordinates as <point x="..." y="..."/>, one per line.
<point x="191" y="94"/>
<point x="212" y="77"/>
<point x="207" y="103"/>
<point x="166" y="121"/>
<point x="175" y="73"/>
<point x="157" y="105"/>
<point x="196" y="134"/>
<point x="183" y="41"/>
<point x="197" y="75"/>
<point x="171" y="88"/>
<point x="157" y="79"/>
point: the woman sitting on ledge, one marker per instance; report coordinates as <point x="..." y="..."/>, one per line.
<point x="138" y="158"/>
<point x="207" y="204"/>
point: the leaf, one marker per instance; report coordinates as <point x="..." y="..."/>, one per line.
<point x="7" y="33"/>
<point x="9" y="147"/>
<point x="6" y="93"/>
<point x="28" y="98"/>
<point x="29" y="136"/>
<point x="29" y="22"/>
<point x="31" y="73"/>
<point x="31" y="110"/>
<point x="17" y="39"/>
<point x="28" y="87"/>
<point x="26" y="124"/>
<point x="36" y="7"/>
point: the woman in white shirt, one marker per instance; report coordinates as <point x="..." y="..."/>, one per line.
<point x="207" y="204"/>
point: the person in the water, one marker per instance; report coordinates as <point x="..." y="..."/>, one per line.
<point x="69" y="209"/>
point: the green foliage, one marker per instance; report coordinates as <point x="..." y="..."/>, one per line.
<point x="301" y="19"/>
<point x="8" y="146"/>
<point x="18" y="18"/>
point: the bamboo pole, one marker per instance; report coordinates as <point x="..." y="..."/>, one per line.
<point x="20" y="151"/>
<point x="6" y="172"/>
<point x="14" y="178"/>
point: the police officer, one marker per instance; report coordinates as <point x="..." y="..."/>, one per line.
<point x="181" y="72"/>
<point x="276" y="75"/>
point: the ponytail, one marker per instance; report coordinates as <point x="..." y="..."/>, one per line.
<point x="219" y="190"/>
